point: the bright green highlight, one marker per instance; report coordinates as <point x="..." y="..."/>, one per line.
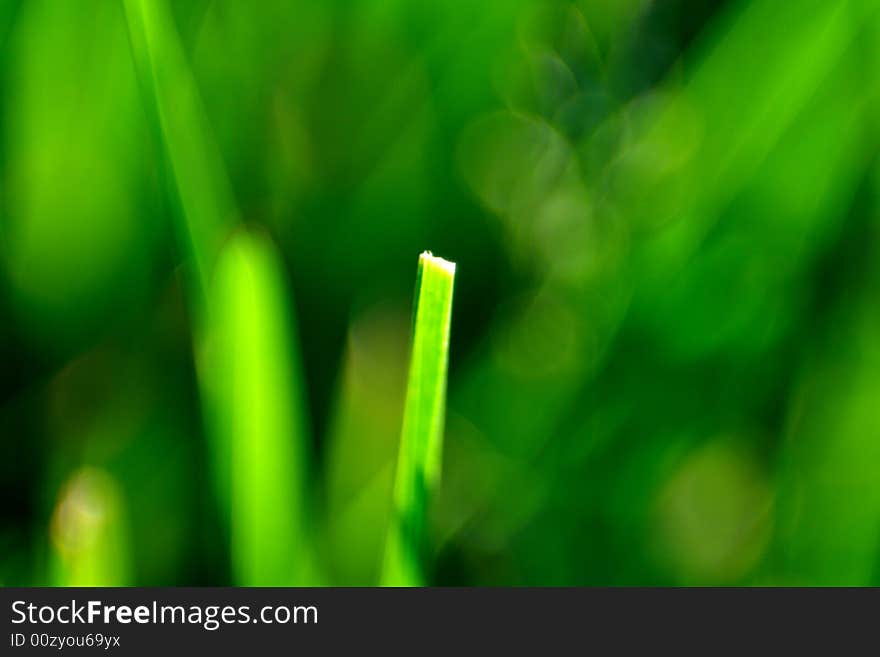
<point x="421" y="440"/>
<point x="89" y="538"/>
<point x="252" y="377"/>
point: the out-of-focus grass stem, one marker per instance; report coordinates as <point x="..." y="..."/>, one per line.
<point x="248" y="359"/>
<point x="207" y="209"/>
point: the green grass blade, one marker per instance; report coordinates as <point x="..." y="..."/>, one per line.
<point x="362" y="441"/>
<point x="739" y="60"/>
<point x="421" y="440"/>
<point x="254" y="385"/>
<point x="249" y="374"/>
<point x="828" y="498"/>
<point x="199" y="177"/>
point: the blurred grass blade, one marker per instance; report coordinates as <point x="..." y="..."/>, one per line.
<point x="421" y="440"/>
<point x="750" y="83"/>
<point x="89" y="541"/>
<point x="362" y="441"/>
<point x="828" y="492"/>
<point x="253" y="382"/>
<point x="202" y="188"/>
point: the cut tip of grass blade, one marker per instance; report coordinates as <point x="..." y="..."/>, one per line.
<point x="421" y="440"/>
<point x="429" y="259"/>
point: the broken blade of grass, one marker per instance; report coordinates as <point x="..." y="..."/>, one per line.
<point x="421" y="439"/>
<point x="254" y="386"/>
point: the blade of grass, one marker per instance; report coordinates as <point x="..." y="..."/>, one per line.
<point x="750" y="87"/>
<point x="261" y="436"/>
<point x="200" y="183"/>
<point x="362" y="441"/>
<point x="249" y="367"/>
<point x="421" y="440"/>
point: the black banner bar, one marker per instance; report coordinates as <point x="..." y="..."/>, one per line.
<point x="145" y="621"/>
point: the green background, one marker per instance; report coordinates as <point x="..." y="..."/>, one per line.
<point x="665" y="353"/>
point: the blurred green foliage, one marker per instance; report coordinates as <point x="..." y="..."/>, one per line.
<point x="664" y="358"/>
